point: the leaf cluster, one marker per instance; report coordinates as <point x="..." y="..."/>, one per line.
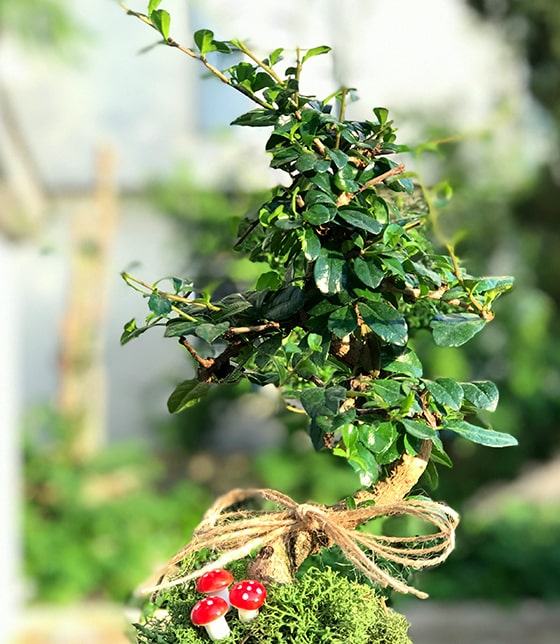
<point x="353" y="277"/>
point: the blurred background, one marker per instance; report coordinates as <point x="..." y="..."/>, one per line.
<point x="115" y="154"/>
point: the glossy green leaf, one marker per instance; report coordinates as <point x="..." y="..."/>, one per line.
<point x="446" y="392"/>
<point x="330" y="272"/>
<point x="342" y="321"/>
<point x="361" y="219"/>
<point x="454" y="329"/>
<point x="322" y="401"/>
<point x="286" y="302"/>
<point x="401" y="361"/>
<point x="267" y="350"/>
<point x="419" y="429"/>
<point x="153" y="5"/>
<point x="482" y="436"/>
<point x="368" y="272"/>
<point x="310" y="244"/>
<point x="385" y="321"/>
<point x="187" y="394"/>
<point x="319" y="214"/>
<point x="482" y="394"/>
<point x="262" y="118"/>
<point x="306" y="161"/>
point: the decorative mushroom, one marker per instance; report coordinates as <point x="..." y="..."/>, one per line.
<point x="210" y="613"/>
<point x="215" y="583"/>
<point x="247" y="596"/>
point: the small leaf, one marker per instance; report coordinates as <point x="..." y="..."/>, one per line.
<point x="153" y="5"/>
<point x="161" y="21"/>
<point x="211" y="332"/>
<point x="446" y="392"/>
<point x="315" y="51"/>
<point x="319" y="214"/>
<point x="342" y="321"/>
<point x="482" y="436"/>
<point x="187" y="394"/>
<point x="306" y="161"/>
<point x="258" y="118"/>
<point x="310" y="244"/>
<point x="482" y="394"/>
<point x="286" y="302"/>
<point x="454" y="329"/>
<point x="403" y="361"/>
<point x="330" y="272"/>
<point x="368" y="272"/>
<point x="204" y="39"/>
<point x="385" y="321"/>
<point x="419" y="429"/>
<point x="360" y="219"/>
<point x="388" y="391"/>
<point x="158" y="304"/>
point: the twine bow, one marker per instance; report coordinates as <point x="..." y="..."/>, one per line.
<point x="238" y="533"/>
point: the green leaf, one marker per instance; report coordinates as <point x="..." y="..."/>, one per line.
<point x="382" y="113"/>
<point x="482" y="394"/>
<point x="368" y="272"/>
<point x="271" y="280"/>
<point x="446" y="392"/>
<point x="360" y="219"/>
<point x="178" y="327"/>
<point x="454" y="329"/>
<point x="388" y="391"/>
<point x="385" y="321"/>
<point x="310" y="244"/>
<point x="315" y="51"/>
<point x="306" y="161"/>
<point x="187" y="394"/>
<point x="258" y="118"/>
<point x="322" y="401"/>
<point x="211" y="332"/>
<point x="330" y="272"/>
<point x="319" y="214"/>
<point x="153" y="5"/>
<point x="342" y="321"/>
<point x="131" y="331"/>
<point x="161" y="21"/>
<point x="204" y="39"/>
<point x="158" y="304"/>
<point x="380" y="437"/>
<point x="476" y="434"/>
<point x="402" y="361"/>
<point x="340" y="158"/>
<point x="286" y="302"/>
<point x="419" y="429"/>
<point x="344" y="179"/>
<point x="267" y="350"/>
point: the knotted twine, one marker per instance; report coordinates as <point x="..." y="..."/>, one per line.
<point x="238" y="533"/>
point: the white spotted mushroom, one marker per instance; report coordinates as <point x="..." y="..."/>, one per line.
<point x="247" y="596"/>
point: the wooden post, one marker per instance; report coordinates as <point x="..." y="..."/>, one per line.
<point x="82" y="394"/>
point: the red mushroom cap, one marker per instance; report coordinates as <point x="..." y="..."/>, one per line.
<point x="214" y="580"/>
<point x="208" y="610"/>
<point x="247" y="595"/>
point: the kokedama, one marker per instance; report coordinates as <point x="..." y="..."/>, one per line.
<point x="353" y="278"/>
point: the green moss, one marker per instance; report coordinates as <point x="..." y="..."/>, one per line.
<point x="322" y="607"/>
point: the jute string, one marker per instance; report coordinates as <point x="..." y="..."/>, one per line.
<point x="236" y="534"/>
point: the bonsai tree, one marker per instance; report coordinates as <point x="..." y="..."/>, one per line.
<point x="357" y="271"/>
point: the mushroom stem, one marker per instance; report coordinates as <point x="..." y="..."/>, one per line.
<point x="218" y="630"/>
<point x="246" y="616"/>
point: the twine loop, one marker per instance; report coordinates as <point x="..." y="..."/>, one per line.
<point x="235" y="534"/>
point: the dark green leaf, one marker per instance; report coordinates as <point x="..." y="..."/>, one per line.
<point x="403" y="361"/>
<point x="381" y="436"/>
<point x="306" y="161"/>
<point x="446" y="392"/>
<point x="385" y="321"/>
<point x="321" y="401"/>
<point x="330" y="272"/>
<point x="178" y="327"/>
<point x="388" y="391"/>
<point x="343" y="321"/>
<point x="267" y="350"/>
<point x="340" y="158"/>
<point x="319" y="214"/>
<point x="482" y="394"/>
<point x="260" y="118"/>
<point x="285" y="302"/>
<point x="158" y="304"/>
<point x="211" y="332"/>
<point x="419" y="429"/>
<point x="187" y="394"/>
<point x="368" y="272"/>
<point x="454" y="329"/>
<point x="360" y="219"/>
<point x="476" y="434"/>
<point x="344" y="179"/>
